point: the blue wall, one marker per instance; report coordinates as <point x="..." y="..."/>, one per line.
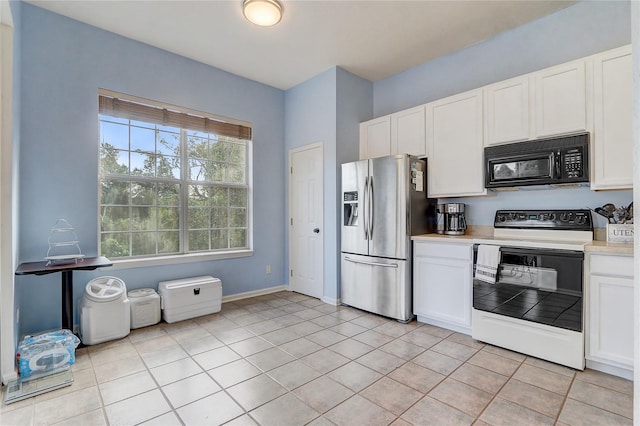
<point x="64" y="62"/>
<point x="575" y="32"/>
<point x="311" y="118"/>
<point x="328" y="108"/>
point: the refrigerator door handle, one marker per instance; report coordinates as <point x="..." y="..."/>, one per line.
<point x="371" y="201"/>
<point x="384" y="265"/>
<point x="365" y="207"/>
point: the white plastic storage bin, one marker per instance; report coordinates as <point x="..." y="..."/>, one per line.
<point x="104" y="311"/>
<point x="145" y="307"/>
<point x="190" y="297"/>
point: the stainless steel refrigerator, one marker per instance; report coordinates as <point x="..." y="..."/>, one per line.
<point x="384" y="203"/>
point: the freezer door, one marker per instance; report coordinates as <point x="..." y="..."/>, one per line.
<point x="354" y="237"/>
<point x="388" y="200"/>
<point x="381" y="286"/>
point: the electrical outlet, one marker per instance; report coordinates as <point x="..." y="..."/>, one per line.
<point x="268" y="269"/>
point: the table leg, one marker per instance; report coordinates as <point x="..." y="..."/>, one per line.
<point x="67" y="300"/>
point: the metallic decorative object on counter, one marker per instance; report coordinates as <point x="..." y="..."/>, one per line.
<point x="617" y="215"/>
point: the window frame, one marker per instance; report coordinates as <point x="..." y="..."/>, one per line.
<point x="184" y="183"/>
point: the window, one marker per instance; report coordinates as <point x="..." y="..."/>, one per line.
<point x="171" y="181"/>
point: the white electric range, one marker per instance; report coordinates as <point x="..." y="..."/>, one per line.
<point x="536" y="305"/>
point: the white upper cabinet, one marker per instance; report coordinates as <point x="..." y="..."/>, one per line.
<point x="375" y="138"/>
<point x="408" y="132"/>
<point x="399" y="133"/>
<point x="508" y="112"/>
<point x="454" y="145"/>
<point x="561" y="99"/>
<point x="612" y="165"/>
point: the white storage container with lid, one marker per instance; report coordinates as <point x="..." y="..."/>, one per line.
<point x="104" y="311"/>
<point x="190" y="297"/>
<point x="145" y="307"/>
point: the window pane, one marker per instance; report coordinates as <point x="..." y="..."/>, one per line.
<point x="143" y="218"/>
<point x="113" y="161"/>
<point x="168" y="143"/>
<point x="198" y="147"/>
<point x="143" y="193"/>
<point x="237" y="197"/>
<point x="115" y="135"/>
<point x="219" y="218"/>
<point x="237" y="218"/>
<point x="143" y="140"/>
<point x="168" y="194"/>
<point x="168" y="167"/>
<point x="115" y="219"/>
<point x="113" y="192"/>
<point x="197" y="170"/>
<point x="219" y="196"/>
<point x="143" y="164"/>
<point x="216" y="172"/>
<point x="219" y="151"/>
<point x="237" y="153"/>
<point x="238" y="238"/>
<point x="198" y="195"/>
<point x="198" y="240"/>
<point x="168" y="218"/>
<point x="114" y="245"/>
<point x="236" y="173"/>
<point x="143" y="243"/>
<point x="219" y="239"/>
<point x="168" y="242"/>
<point x="198" y="217"/>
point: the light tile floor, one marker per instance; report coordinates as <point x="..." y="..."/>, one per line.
<point x="288" y="359"/>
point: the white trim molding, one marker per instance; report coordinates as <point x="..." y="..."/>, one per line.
<point x="254" y="293"/>
<point x="7" y="199"/>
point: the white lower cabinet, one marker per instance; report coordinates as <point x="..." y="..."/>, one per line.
<point x="609" y="342"/>
<point x="443" y="284"/>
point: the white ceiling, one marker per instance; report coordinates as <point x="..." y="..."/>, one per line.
<point x="373" y="39"/>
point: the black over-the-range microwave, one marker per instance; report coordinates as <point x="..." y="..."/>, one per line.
<point x="558" y="160"/>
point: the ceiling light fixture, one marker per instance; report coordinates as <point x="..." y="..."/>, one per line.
<point x="262" y="12"/>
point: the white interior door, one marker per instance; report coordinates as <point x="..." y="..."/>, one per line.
<point x="306" y="220"/>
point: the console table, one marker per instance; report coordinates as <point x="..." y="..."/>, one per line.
<point x="84" y="264"/>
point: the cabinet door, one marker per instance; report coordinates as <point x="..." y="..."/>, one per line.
<point x="408" y="132"/>
<point x="375" y="138"/>
<point x="612" y="120"/>
<point x="454" y="145"/>
<point x="611" y="320"/>
<point x="560" y="104"/>
<point x="442" y="290"/>
<point x="507" y="111"/>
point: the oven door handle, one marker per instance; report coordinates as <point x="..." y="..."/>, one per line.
<point x="541" y="252"/>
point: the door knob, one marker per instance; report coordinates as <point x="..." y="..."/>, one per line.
<point x="316" y="230"/>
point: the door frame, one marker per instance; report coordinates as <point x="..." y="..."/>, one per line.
<point x="292" y="152"/>
<point x="7" y="199"/>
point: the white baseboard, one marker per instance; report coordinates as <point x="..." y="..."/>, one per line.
<point x="254" y="293"/>
<point x="331" y="301"/>
<point x="625" y="373"/>
<point x="444" y="324"/>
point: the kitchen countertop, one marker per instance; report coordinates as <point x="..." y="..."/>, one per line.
<point x="486" y="233"/>
<point x="598" y="246"/>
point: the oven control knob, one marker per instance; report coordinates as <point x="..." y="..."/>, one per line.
<point x="564" y="217"/>
<point x="502" y="218"/>
<point x="580" y="220"/>
<point x="552" y="216"/>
